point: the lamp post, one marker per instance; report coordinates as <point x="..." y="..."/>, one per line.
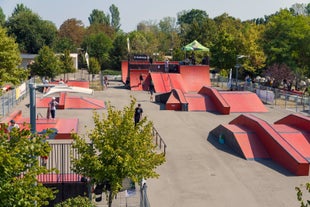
<point x="237" y="67"/>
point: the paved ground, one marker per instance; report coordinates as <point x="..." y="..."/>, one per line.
<point x="199" y="171"/>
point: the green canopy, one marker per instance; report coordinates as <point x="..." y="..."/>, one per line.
<point x="195" y="45"/>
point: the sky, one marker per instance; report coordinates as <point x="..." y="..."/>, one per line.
<point x="132" y="12"/>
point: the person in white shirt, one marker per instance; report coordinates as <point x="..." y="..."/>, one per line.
<point x="13" y="125"/>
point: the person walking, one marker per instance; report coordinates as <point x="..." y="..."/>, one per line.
<point x="52" y="107"/>
<point x="105" y="82"/>
<point x="141" y="78"/>
<point x="138" y="114"/>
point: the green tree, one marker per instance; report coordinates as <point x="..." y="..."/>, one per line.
<point x="10" y="60"/>
<point x="46" y="64"/>
<point x="66" y="63"/>
<point x="2" y="17"/>
<point x="30" y="31"/>
<point x="76" y="202"/>
<point x="118" y="150"/>
<point x="224" y="51"/>
<point x="300" y="194"/>
<point x="20" y="8"/>
<point x="62" y="43"/>
<point x="115" y="19"/>
<point x="252" y="47"/>
<point x="196" y="25"/>
<point x="286" y="40"/>
<point x="118" y="51"/>
<point x="19" y="186"/>
<point x="139" y="43"/>
<point x="94" y="67"/>
<point x="98" y="17"/>
<point x="168" y="35"/>
<point x="98" y="46"/>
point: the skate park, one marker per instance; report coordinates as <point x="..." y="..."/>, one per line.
<point x="188" y="88"/>
<point x="253" y="138"/>
<point x="200" y="171"/>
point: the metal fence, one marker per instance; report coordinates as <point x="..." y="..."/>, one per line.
<point x="275" y="97"/>
<point x="60" y="158"/>
<point x="13" y="97"/>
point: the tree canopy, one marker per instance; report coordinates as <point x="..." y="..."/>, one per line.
<point x="19" y="186"/>
<point x="10" y="60"/>
<point x="46" y="64"/>
<point x="30" y="31"/>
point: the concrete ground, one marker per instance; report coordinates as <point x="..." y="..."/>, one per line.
<point x="199" y="171"/>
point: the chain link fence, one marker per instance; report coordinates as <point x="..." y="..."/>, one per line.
<point x="295" y="101"/>
<point x="9" y="99"/>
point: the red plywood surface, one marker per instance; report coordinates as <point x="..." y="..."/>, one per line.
<point x="251" y="147"/>
<point x="73" y="103"/>
<point x="199" y="102"/>
<point x="135" y="84"/>
<point x="195" y="77"/>
<point x="65" y="126"/>
<point x="243" y="102"/>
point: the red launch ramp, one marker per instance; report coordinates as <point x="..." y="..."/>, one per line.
<point x="253" y="138"/>
<point x="195" y="77"/>
<point x="243" y="101"/>
<point x="65" y="126"/>
<point x="71" y="102"/>
<point x="135" y="83"/>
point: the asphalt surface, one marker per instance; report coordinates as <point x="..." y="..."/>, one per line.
<point x="199" y="171"/>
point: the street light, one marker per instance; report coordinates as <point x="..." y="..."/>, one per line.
<point x="238" y="66"/>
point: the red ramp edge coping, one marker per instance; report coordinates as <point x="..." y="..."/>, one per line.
<point x="220" y="103"/>
<point x="296" y="120"/>
<point x="276" y="146"/>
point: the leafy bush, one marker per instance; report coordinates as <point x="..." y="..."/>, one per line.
<point x="111" y="72"/>
<point x="76" y="202"/>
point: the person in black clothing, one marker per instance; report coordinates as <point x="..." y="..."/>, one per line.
<point x="138" y="114"/>
<point x="141" y="78"/>
<point x="151" y="90"/>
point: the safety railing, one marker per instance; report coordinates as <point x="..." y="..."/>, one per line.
<point x="159" y="141"/>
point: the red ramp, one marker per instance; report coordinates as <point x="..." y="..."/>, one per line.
<point x="64" y="126"/>
<point x="199" y="102"/>
<point x="254" y="138"/>
<point x="74" y="102"/>
<point x="242" y="140"/>
<point x="195" y="76"/>
<point x="243" y="102"/>
<point x="135" y="83"/>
